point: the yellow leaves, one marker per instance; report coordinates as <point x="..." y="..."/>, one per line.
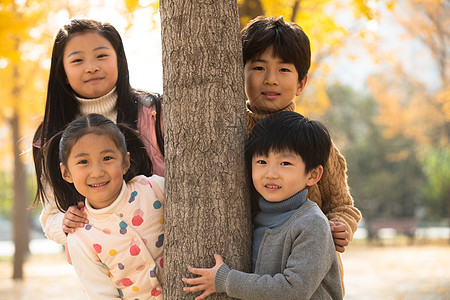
<point x="22" y="77"/>
<point x="314" y="101"/>
<point x="443" y="98"/>
<point x="131" y="5"/>
<point x="364" y="8"/>
<point x="407" y="111"/>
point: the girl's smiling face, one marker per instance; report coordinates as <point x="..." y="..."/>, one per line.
<point x="90" y="63"/>
<point x="96" y="167"/>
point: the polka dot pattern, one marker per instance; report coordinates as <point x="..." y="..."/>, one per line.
<point x="157" y="204"/>
<point x="137" y="217"/>
<point x="160" y="241"/>
<point x="123" y="227"/>
<point x="132" y="196"/>
<point x="128" y="240"/>
<point x="97" y="248"/>
<point x="135" y="250"/>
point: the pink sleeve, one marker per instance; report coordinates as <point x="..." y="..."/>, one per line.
<point x="146" y="125"/>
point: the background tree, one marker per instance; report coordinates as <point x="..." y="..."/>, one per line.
<point x="409" y="106"/>
<point x="19" y="21"/>
<point x="207" y="208"/>
<point x="385" y="174"/>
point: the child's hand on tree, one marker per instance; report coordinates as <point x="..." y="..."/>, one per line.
<point x="206" y="280"/>
<point x="340" y="235"/>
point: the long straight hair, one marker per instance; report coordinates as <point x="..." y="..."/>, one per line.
<point x="62" y="107"/>
<point x="58" y="148"/>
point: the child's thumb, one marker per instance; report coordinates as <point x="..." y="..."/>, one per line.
<point x="218" y="258"/>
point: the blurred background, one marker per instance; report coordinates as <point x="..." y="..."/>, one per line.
<point x="379" y="80"/>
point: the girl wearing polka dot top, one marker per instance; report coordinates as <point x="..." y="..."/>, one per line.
<point x="119" y="253"/>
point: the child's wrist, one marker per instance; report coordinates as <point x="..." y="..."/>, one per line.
<point x="221" y="278"/>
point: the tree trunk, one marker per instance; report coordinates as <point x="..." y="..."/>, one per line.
<point x="295" y="10"/>
<point x="207" y="209"/>
<point x="20" y="212"/>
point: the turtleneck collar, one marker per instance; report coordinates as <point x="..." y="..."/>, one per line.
<point x="272" y="216"/>
<point x="104" y="105"/>
<point x="292" y="203"/>
<point x="113" y="207"/>
<point x="255" y="117"/>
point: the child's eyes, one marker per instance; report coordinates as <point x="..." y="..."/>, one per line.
<point x="102" y="56"/>
<point x="286" y="163"/>
<point x="82" y="162"/>
<point x="106" y="158"/>
<point x="77" y="60"/>
<point x="260" y="162"/>
<point x="258" y="68"/>
<point x="285" y="70"/>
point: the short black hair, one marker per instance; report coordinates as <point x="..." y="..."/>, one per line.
<point x="289" y="42"/>
<point x="288" y="130"/>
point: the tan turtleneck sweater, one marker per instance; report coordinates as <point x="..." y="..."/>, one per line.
<point x="104" y="105"/>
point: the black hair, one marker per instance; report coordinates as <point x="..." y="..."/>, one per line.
<point x="62" y="107"/>
<point x="58" y="148"/>
<point x="290" y="131"/>
<point x="288" y="40"/>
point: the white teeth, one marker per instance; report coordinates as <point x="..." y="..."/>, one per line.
<point x="97" y="185"/>
<point x="273" y="186"/>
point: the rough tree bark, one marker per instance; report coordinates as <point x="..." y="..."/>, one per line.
<point x="207" y="208"/>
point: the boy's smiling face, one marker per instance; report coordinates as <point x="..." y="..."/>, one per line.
<point x="270" y="83"/>
<point x="280" y="175"/>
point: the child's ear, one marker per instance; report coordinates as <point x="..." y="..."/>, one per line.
<point x="301" y="85"/>
<point x="314" y="176"/>
<point x="65" y="173"/>
<point x="126" y="163"/>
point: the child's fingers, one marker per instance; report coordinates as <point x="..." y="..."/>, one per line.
<point x="339" y="249"/>
<point x="341" y="242"/>
<point x="74" y="213"/>
<point x="204" y="295"/>
<point x="68" y="229"/>
<point x="197" y="271"/>
<point x="193" y="281"/>
<point x="337" y="226"/>
<point x="219" y="259"/>
<point x="340" y="235"/>
<point x="198" y="288"/>
<point x="194" y="288"/>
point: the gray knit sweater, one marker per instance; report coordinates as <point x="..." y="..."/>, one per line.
<point x="295" y="261"/>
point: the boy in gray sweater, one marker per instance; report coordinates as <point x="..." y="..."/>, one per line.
<point x="293" y="250"/>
